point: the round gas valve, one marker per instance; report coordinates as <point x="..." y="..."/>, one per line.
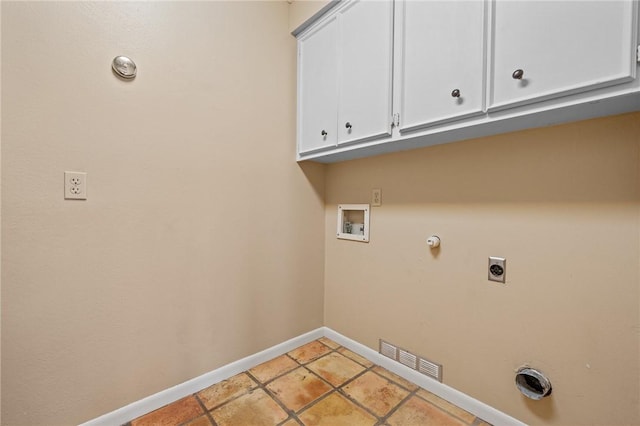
<point x="433" y="241"/>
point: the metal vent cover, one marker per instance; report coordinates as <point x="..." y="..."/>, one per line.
<point x="413" y="361"/>
<point x="430" y="368"/>
<point x="388" y="350"/>
<point x="407" y="358"/>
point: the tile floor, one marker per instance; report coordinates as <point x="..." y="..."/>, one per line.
<point x="320" y="383"/>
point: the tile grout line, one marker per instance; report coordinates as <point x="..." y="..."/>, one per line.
<point x="271" y="395"/>
<point x="283" y="373"/>
<point x="358" y="404"/>
<point x="445" y="411"/>
<point x="338" y="389"/>
<point x="393" y="381"/>
<point x="215" y="407"/>
<point x="353" y="378"/>
<point x="398" y="405"/>
<point x="295" y="419"/>
<point x="315" y="402"/>
<point x="291" y="412"/>
<point x="206" y="412"/>
<point x="477" y="421"/>
<point x="333" y="388"/>
<point x="380" y="419"/>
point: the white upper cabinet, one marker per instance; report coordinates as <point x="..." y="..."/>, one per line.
<point x="377" y="76"/>
<point x="544" y="49"/>
<point x="318" y="91"/>
<point x="345" y="67"/>
<point x="365" y="57"/>
<point x="442" y="71"/>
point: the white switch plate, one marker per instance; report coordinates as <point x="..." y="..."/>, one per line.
<point x="376" y="198"/>
<point x="75" y="186"/>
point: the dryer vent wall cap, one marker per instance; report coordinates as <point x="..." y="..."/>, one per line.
<point x="532" y="383"/>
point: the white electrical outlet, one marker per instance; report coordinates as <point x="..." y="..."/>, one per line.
<point x="376" y="198"/>
<point x="75" y="186"/>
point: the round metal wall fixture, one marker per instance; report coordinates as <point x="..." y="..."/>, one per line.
<point x="532" y="383"/>
<point x="124" y="67"/>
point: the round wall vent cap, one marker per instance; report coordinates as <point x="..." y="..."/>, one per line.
<point x="532" y="383"/>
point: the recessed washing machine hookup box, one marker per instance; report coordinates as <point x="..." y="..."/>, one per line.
<point x="353" y="222"/>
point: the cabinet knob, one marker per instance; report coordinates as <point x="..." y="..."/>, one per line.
<point x="323" y="133"/>
<point x="455" y="93"/>
<point x="518" y="74"/>
<point x="348" y="125"/>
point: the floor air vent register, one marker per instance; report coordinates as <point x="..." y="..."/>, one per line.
<point x="416" y="362"/>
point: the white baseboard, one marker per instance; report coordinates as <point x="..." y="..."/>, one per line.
<point x="167" y="396"/>
<point x="464" y="401"/>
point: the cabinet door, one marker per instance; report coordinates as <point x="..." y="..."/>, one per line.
<point x="365" y="54"/>
<point x="560" y="47"/>
<point x="318" y="88"/>
<point x="443" y="65"/>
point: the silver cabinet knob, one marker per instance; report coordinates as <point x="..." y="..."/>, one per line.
<point x="348" y="125"/>
<point x="518" y="74"/>
<point x="323" y="133"/>
<point x="455" y="93"/>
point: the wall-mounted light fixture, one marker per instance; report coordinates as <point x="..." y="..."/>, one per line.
<point x="124" y="67"/>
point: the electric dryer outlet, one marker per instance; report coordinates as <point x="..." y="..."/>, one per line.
<point x="497" y="269"/>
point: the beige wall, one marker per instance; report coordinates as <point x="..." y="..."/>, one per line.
<point x="201" y="241"/>
<point x="562" y="204"/>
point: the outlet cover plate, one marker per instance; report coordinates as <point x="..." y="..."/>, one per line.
<point x="376" y="198"/>
<point x="75" y="186"/>
<point x="497" y="270"/>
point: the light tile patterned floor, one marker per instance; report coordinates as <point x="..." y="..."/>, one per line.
<point x="318" y="384"/>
